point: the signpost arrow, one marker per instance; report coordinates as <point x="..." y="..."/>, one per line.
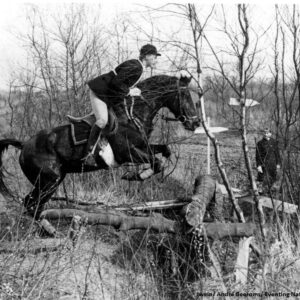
<point x="201" y="130"/>
<point x="248" y="102"/>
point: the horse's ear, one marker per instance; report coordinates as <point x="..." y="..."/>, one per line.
<point x="185" y="80"/>
<point x="184" y="77"/>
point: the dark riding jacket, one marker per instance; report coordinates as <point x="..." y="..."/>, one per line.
<point x="113" y="86"/>
<point x="267" y="153"/>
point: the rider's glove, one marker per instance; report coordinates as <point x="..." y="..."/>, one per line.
<point x="134" y="92"/>
<point x="259" y="169"/>
<point x="182" y="74"/>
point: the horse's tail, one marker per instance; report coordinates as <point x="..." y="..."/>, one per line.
<point x="3" y="146"/>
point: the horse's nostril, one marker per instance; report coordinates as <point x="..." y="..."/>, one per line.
<point x="197" y="124"/>
<point x="182" y="119"/>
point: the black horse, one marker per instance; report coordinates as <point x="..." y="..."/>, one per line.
<point x="48" y="156"/>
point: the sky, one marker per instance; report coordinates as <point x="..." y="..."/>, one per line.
<point x="13" y="23"/>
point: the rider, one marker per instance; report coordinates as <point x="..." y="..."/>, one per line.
<point x="110" y="88"/>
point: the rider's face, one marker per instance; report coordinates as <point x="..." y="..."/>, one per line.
<point x="151" y="60"/>
<point x="267" y="135"/>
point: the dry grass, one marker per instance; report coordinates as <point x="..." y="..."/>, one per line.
<point x="106" y="264"/>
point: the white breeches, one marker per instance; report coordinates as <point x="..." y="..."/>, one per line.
<point x="99" y="109"/>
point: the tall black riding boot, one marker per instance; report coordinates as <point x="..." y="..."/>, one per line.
<point x="89" y="159"/>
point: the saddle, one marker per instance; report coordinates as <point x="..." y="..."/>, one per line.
<point x="89" y="119"/>
<point x="81" y="126"/>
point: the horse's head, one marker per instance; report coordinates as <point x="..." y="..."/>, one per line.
<point x="171" y="92"/>
<point x="182" y="105"/>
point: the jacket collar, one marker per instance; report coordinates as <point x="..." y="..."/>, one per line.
<point x="144" y="68"/>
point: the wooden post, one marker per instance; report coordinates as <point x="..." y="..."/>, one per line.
<point x="75" y="229"/>
<point x="208" y="148"/>
<point x="156" y="222"/>
<point x="211" y="130"/>
<point x="241" y="266"/>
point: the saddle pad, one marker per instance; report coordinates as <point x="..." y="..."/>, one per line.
<point x="80" y="132"/>
<point x="80" y="128"/>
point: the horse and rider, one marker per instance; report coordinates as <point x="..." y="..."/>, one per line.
<point x="118" y="97"/>
<point x="111" y="88"/>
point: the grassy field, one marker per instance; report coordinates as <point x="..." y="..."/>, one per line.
<point x="107" y="264"/>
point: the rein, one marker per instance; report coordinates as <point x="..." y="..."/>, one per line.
<point x="130" y="115"/>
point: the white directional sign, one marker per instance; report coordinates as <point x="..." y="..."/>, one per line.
<point x="249" y="102"/>
<point x="200" y="130"/>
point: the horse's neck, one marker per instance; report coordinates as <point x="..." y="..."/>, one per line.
<point x="157" y="105"/>
<point x="146" y="112"/>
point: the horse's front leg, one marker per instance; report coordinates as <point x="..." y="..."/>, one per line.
<point x="139" y="156"/>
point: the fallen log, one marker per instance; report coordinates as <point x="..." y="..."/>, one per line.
<point x="77" y="202"/>
<point x="207" y="196"/>
<point x="44" y="224"/>
<point x="133" y="207"/>
<point x="181" y="202"/>
<point x="155" y="222"/>
<point x="154" y="205"/>
<point x="147" y="206"/>
<point x="245" y="196"/>
<point x="206" y="190"/>
<point x="267" y="202"/>
<point x="116" y="219"/>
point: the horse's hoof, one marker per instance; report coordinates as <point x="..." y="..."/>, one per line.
<point x="90" y="161"/>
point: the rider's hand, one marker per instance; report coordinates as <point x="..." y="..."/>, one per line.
<point x="259" y="169"/>
<point x="135" y="92"/>
<point x="183" y="73"/>
<point x="278" y="167"/>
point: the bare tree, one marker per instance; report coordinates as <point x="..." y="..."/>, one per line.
<point x="246" y="69"/>
<point x="63" y="54"/>
<point x="286" y="88"/>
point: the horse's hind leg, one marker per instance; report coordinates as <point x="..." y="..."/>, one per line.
<point x="161" y="148"/>
<point x="45" y="185"/>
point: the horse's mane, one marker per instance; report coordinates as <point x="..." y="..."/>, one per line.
<point x="158" y="81"/>
<point x="158" y="84"/>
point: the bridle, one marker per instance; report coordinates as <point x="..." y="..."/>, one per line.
<point x="182" y="116"/>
